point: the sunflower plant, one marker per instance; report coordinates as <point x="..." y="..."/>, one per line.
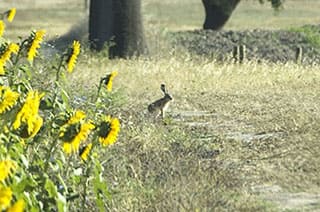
<point x="49" y="157"/>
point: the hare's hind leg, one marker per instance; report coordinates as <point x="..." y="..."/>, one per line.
<point x="162" y="113"/>
<point x="158" y="113"/>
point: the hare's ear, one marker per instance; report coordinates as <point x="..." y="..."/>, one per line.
<point x="163" y="88"/>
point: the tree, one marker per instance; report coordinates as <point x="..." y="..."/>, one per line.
<point x="100" y="23"/>
<point x="119" y="23"/>
<point x="218" y="12"/>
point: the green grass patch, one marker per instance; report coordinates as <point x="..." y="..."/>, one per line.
<point x="311" y="34"/>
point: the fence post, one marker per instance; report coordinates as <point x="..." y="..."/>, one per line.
<point x="298" y="55"/>
<point x="242" y="53"/>
<point x="235" y="54"/>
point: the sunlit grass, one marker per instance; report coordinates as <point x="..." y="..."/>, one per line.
<point x="162" y="166"/>
<point x="201" y="162"/>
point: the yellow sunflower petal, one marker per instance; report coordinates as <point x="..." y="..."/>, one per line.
<point x="35" y="44"/>
<point x="84" y="153"/>
<point x="72" y="146"/>
<point x="109" y="81"/>
<point x="29" y="114"/>
<point x="8" y="99"/>
<point x="7" y="167"/>
<point x="71" y="62"/>
<point x="17" y="206"/>
<point x="5" y="197"/>
<point x="2" y="27"/>
<point x="11" y="14"/>
<point x="109" y="130"/>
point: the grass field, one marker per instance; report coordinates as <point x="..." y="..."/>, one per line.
<point x="236" y="138"/>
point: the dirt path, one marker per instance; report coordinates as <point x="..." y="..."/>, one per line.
<point x="270" y="45"/>
<point x="229" y="128"/>
<point x="301" y="201"/>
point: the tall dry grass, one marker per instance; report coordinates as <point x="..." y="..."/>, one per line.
<point x="252" y="124"/>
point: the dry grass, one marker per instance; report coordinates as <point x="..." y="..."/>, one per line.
<point x="250" y="125"/>
<point x="253" y="124"/>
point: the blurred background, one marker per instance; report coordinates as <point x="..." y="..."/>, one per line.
<point x="59" y="16"/>
<point x="65" y="21"/>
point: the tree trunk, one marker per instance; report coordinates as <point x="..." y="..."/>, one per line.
<point x="100" y="23"/>
<point x="119" y="23"/>
<point x="218" y="12"/>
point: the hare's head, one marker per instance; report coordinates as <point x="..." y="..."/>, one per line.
<point x="165" y="92"/>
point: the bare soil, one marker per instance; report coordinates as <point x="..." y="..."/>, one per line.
<point x="269" y="45"/>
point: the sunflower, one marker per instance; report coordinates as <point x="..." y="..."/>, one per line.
<point x="2" y="27"/>
<point x="5" y="197"/>
<point x="77" y="117"/>
<point x="75" y="131"/>
<point x="7" y="167"/>
<point x="8" y="99"/>
<point x="35" y="41"/>
<point x="5" y="56"/>
<point x="10" y="14"/>
<point x="14" y="48"/>
<point x="84" y="152"/>
<point x="109" y="79"/>
<point x="17" y="206"/>
<point x="24" y="133"/>
<point x="29" y="115"/>
<point x="108" y="130"/>
<point x="72" y="59"/>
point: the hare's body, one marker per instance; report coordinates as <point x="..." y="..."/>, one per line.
<point x="161" y="105"/>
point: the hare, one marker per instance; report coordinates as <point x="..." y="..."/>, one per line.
<point x="161" y="105"/>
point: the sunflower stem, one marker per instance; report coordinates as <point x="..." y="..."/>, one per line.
<point x="87" y="175"/>
<point x="99" y="89"/>
<point x="85" y="189"/>
<point x="59" y="67"/>
<point x="58" y="75"/>
<point x="19" y="52"/>
<point x="50" y="153"/>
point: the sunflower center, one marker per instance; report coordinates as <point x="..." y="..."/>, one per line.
<point x="107" y="79"/>
<point x="71" y="132"/>
<point x="2" y="94"/>
<point x="105" y="128"/>
<point x="23" y="131"/>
